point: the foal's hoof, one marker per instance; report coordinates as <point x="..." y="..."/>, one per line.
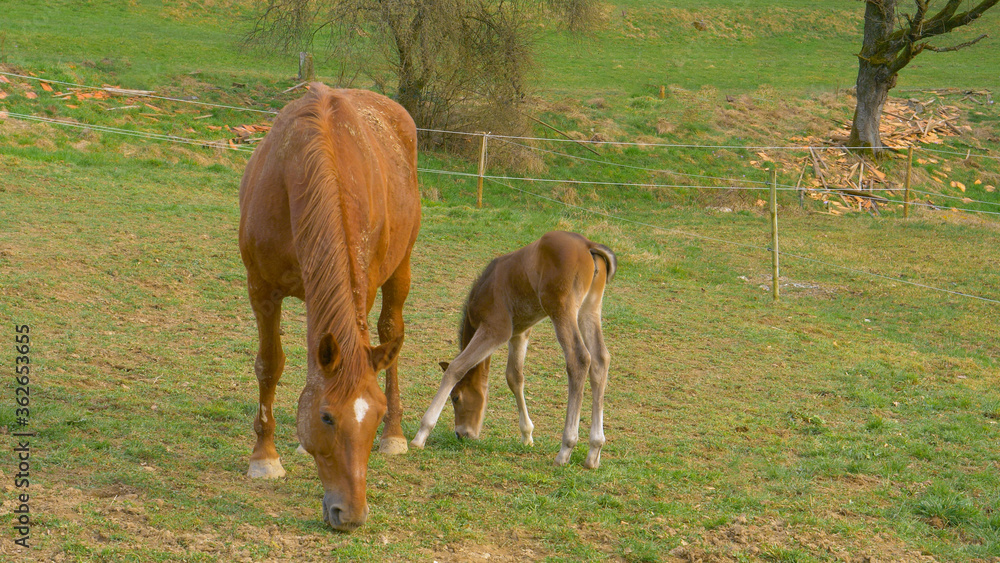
<point x="420" y="439"/>
<point x="562" y="458"/>
<point x="393" y="445"/>
<point x="265" y="469"/>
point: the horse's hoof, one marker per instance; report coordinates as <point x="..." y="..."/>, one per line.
<point x="393" y="446"/>
<point x="301" y="450"/>
<point x="562" y="458"/>
<point x="265" y="469"/>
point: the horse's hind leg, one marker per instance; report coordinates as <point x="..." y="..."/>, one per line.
<point x="590" y="326"/>
<point x="266" y="303"/>
<point x="517" y="348"/>
<point x="577" y="366"/>
<point x="390" y="326"/>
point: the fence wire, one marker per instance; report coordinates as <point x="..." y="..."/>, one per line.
<point x="503" y="180"/>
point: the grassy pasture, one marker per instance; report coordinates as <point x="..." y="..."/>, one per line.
<point x="855" y="418"/>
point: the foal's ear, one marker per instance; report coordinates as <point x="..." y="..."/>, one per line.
<point x="444" y="366"/>
<point x="328" y="354"/>
<point x="383" y="356"/>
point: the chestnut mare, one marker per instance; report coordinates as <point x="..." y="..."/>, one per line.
<point x="561" y="276"/>
<point x="329" y="212"/>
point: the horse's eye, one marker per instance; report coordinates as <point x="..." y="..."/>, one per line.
<point x="327" y="419"/>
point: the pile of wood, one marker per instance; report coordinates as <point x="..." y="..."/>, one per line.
<point x="845" y="181"/>
<point x="849" y="181"/>
<point x="908" y="123"/>
<point x="245" y="134"/>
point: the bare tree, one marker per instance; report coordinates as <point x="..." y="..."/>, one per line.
<point x="450" y="63"/>
<point x="888" y="47"/>
<point x="578" y="15"/>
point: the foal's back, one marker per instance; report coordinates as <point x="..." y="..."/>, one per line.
<point x="557" y="270"/>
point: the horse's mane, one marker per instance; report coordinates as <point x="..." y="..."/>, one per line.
<point x="322" y="240"/>
<point x="466" y="323"/>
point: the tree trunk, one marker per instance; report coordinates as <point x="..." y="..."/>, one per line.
<point x="872" y="91"/>
<point x="875" y="79"/>
<point x="407" y="29"/>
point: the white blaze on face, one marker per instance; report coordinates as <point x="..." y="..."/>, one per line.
<point x="360" y="409"/>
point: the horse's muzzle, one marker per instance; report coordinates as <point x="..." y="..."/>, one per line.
<point x="336" y="512"/>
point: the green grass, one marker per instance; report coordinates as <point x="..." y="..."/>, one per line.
<point x="856" y="417"/>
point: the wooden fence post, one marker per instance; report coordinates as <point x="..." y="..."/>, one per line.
<point x="482" y="170"/>
<point x="774" y="233"/>
<point x="909" y="170"/>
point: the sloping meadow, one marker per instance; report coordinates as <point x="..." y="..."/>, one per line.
<point x="855" y="418"/>
<point x="856" y="415"/>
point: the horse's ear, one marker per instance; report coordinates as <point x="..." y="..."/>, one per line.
<point x="328" y="354"/>
<point x="444" y="366"/>
<point x="383" y="356"/>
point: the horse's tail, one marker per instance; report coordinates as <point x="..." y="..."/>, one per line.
<point x="610" y="260"/>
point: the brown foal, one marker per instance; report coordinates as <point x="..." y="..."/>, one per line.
<point x="329" y="212"/>
<point x="561" y="276"/>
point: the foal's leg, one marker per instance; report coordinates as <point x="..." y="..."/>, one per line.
<point x="516" y="350"/>
<point x="577" y="367"/>
<point x="390" y="325"/>
<point x="266" y="303"/>
<point x="480" y="347"/>
<point x="590" y="326"/>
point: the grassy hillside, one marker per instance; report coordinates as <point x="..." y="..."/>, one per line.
<point x="855" y="418"/>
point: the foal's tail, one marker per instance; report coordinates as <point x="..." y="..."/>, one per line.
<point x="609" y="258"/>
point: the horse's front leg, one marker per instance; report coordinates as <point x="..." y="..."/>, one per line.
<point x="479" y="348"/>
<point x="266" y="303"/>
<point x="390" y="325"/>
<point x="516" y="350"/>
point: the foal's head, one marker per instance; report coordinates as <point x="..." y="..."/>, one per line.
<point x="469" y="399"/>
<point x="337" y="425"/>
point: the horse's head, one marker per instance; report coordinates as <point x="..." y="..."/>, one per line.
<point x="469" y="399"/>
<point x="338" y="427"/>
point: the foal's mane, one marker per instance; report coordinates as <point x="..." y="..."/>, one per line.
<point x="322" y="240"/>
<point x="465" y="323"/>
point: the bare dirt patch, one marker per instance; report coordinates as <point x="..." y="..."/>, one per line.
<point x="776" y="540"/>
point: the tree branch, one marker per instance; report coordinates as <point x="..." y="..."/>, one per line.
<point x="946" y="20"/>
<point x="904" y="44"/>
<point x="956" y="47"/>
